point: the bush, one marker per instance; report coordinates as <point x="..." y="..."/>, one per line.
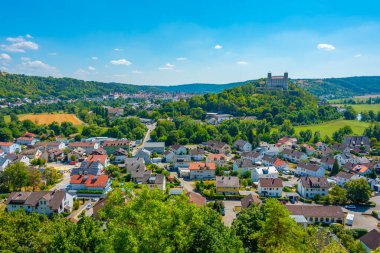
<point x="375" y="214"/>
<point x="287" y="189"/>
<point x="358" y="232"/>
<point x="308" y="201"/>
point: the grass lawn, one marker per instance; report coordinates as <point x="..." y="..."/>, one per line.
<point x="366" y="107"/>
<point x="328" y="128"/>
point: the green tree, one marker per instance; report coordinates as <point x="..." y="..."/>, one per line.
<point x="338" y="195"/>
<point x="335" y="168"/>
<point x="16" y="176"/>
<point x="358" y="191"/>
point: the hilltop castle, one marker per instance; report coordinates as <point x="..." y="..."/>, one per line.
<point x="278" y="82"/>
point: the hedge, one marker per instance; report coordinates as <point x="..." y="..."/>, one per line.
<point x="308" y="201"/>
<point x="90" y="191"/>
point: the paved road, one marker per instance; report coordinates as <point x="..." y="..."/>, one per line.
<point x="63" y="183"/>
<point x="150" y="127"/>
<point x="75" y="214"/>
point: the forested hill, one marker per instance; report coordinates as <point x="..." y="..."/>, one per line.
<point x="13" y="86"/>
<point x="275" y="106"/>
<point x="341" y="87"/>
<point x="201" y="88"/>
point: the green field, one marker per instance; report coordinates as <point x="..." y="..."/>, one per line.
<point x="366" y="107"/>
<point x="328" y="128"/>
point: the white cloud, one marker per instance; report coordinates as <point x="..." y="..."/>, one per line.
<point x="358" y="55"/>
<point x="242" y="62"/>
<point x="37" y="65"/>
<point x="118" y="49"/>
<point x="5" y="57"/>
<point x="137" y="72"/>
<point x="326" y="47"/>
<point x="29" y="36"/>
<point x="91" y="68"/>
<point x="217" y="46"/>
<point x="19" y="45"/>
<point x="94" y="58"/>
<point x="181" y="59"/>
<point x="121" y="62"/>
<point x="167" y="66"/>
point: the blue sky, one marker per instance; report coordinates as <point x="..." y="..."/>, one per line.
<point x="183" y="41"/>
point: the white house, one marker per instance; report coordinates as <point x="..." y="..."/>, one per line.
<point x="343" y="177"/>
<point x="201" y="170"/>
<point x="252" y="155"/>
<point x="264" y="172"/>
<point x="309" y="187"/>
<point x="344" y="158"/>
<point x="10" y="147"/>
<point x="179" y="149"/>
<point x="270" y="187"/>
<point x="197" y="154"/>
<point x="243" y="145"/>
<point x="4" y="162"/>
<point x="26" y="140"/>
<point x="311" y="170"/>
<point x="169" y="156"/>
<point x="44" y="202"/>
<point x="293" y="155"/>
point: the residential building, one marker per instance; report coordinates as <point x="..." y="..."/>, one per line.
<point x="50" y="145"/>
<point x="252" y="155"/>
<point x="201" y="170"/>
<point x="196" y="199"/>
<point x="88" y="168"/>
<point x="197" y="154"/>
<point x="87" y="146"/>
<point x="270" y="187"/>
<point x="10" y="147"/>
<point x="309" y="187"/>
<point x="168" y="156"/>
<point x="286" y="143"/>
<point x="154" y="180"/>
<point x="327" y="163"/>
<point x="343" y="177"/>
<point x="243" y="145"/>
<point x="18" y="158"/>
<point x="181" y="161"/>
<point x="280" y="164"/>
<point x="134" y="163"/>
<point x="144" y="154"/>
<point x="218" y="147"/>
<point x="318" y="214"/>
<point x="249" y="200"/>
<point x="264" y="172"/>
<point x="89" y="185"/>
<point x="344" y="158"/>
<point x="120" y="155"/>
<point x="54" y="155"/>
<point x="32" y="153"/>
<point x="103" y="159"/>
<point x="112" y="145"/>
<point x="342" y="148"/>
<point x="310" y="150"/>
<point x="310" y="169"/>
<point x="215" y="118"/>
<point x="371" y="240"/>
<point x="357" y="142"/>
<point x="27" y="141"/>
<point x="242" y="166"/>
<point x="4" y="162"/>
<point x="227" y="185"/>
<point x="293" y="155"/>
<point x="268" y="160"/>
<point x="44" y="202"/>
<point x="220" y="160"/>
<point x="155" y="147"/>
<point x="178" y="149"/>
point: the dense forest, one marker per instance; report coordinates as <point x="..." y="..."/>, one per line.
<point x="275" y="106"/>
<point x="20" y="86"/>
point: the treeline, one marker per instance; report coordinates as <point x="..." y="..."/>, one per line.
<point x="156" y="222"/>
<point x="22" y="86"/>
<point x="295" y="105"/>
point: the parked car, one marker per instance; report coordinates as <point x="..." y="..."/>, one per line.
<point x="223" y="212"/>
<point x="89" y="206"/>
<point x="350" y="207"/>
<point x="73" y="163"/>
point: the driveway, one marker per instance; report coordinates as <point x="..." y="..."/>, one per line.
<point x="63" y="183"/>
<point x="150" y="127"/>
<point x="230" y="214"/>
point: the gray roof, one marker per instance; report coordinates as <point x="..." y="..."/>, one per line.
<point x="89" y="168"/>
<point x="133" y="164"/>
<point x="154" y="145"/>
<point x="54" y="198"/>
<point x="249" y="199"/>
<point x="227" y="181"/>
<point x="314" y="182"/>
<point x="371" y="239"/>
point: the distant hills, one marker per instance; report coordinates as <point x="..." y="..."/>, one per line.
<point x="341" y="87"/>
<point x="14" y="85"/>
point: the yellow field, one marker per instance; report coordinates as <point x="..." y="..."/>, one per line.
<point x="45" y="118"/>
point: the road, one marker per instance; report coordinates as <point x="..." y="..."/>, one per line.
<point x="150" y="127"/>
<point x="63" y="183"/>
